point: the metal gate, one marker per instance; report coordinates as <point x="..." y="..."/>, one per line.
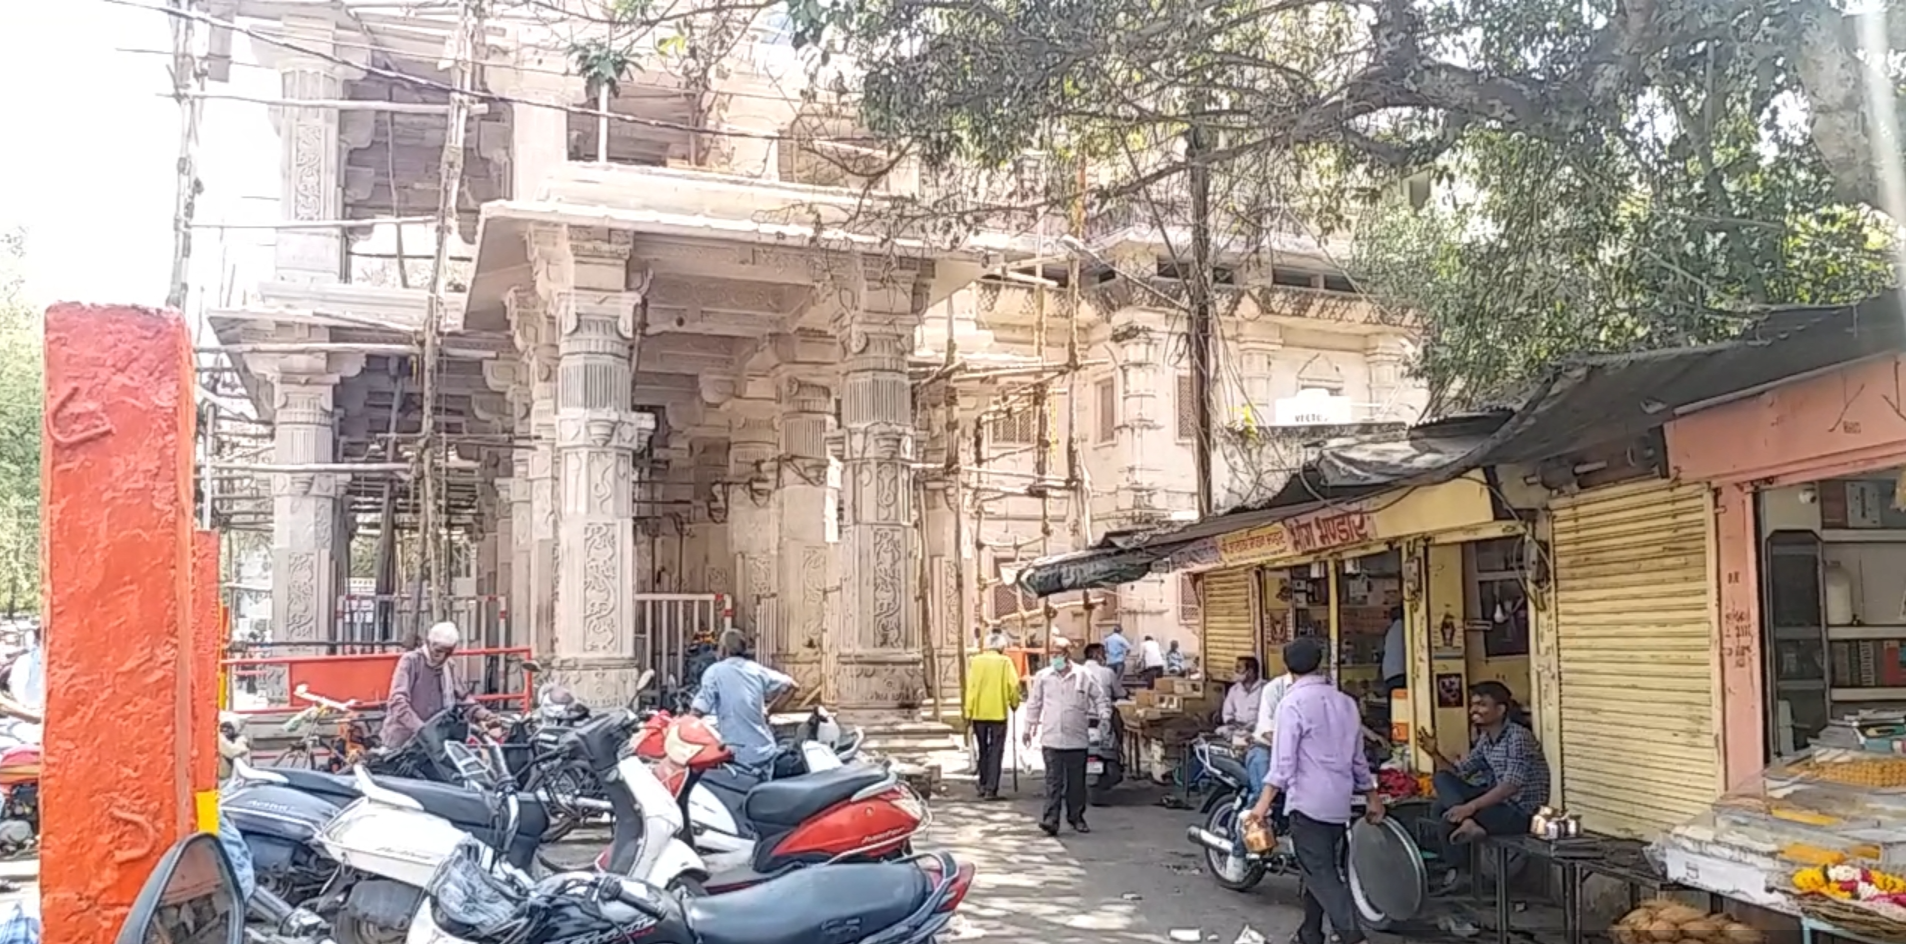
<point x="667" y="623"/>
<point x="1635" y="654"/>
<point x="1230" y="628"/>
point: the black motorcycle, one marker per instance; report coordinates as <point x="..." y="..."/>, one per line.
<point x="280" y="810"/>
<point x="906" y="902"/>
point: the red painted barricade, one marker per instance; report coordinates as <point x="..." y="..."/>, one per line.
<point x="360" y="676"/>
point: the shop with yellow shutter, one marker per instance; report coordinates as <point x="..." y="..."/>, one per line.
<point x="1345" y="571"/>
<point x="1634" y="735"/>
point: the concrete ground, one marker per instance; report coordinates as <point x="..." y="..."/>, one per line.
<point x="1134" y="878"/>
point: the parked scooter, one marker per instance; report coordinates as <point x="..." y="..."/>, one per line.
<point x="394" y="844"/>
<point x="859" y="813"/>
<point x="1104" y="761"/>
<point x="893" y="903"/>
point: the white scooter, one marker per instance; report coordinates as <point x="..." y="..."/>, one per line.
<point x="388" y="835"/>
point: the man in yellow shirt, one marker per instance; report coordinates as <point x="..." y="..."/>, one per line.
<point x="992" y="692"/>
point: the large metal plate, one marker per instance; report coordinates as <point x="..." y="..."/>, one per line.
<point x="1386" y="870"/>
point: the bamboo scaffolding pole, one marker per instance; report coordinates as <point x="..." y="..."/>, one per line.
<point x="1079" y="509"/>
<point x="436" y="571"/>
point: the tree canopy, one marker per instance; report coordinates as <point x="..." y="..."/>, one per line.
<point x="1610" y="173"/>
<point x="21" y="383"/>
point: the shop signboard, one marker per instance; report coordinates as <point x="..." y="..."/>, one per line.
<point x="1462" y="503"/>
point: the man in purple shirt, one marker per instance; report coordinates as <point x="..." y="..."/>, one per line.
<point x="1317" y="763"/>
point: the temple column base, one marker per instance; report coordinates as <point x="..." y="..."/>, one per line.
<point x="600" y="683"/>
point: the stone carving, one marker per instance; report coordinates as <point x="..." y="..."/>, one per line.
<point x="598" y="586"/>
<point x="887" y="493"/>
<point x="813" y="596"/>
<point x="301" y="597"/>
<point x="718" y="580"/>
<point x="308" y="199"/>
<point x="889" y="588"/>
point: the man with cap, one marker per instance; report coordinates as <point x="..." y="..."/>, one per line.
<point x="992" y="692"/>
<point x="1064" y="702"/>
<point x="1317" y="764"/>
<point x="423" y="683"/>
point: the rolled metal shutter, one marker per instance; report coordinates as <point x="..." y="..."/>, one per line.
<point x="1640" y="750"/>
<point x="1230" y="630"/>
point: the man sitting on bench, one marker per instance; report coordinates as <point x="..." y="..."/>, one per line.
<point x="1497" y="787"/>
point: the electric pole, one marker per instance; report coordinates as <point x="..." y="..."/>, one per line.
<point x="1198" y="332"/>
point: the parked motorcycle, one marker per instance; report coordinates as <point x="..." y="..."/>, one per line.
<point x="857" y="813"/>
<point x="1236" y="868"/>
<point x="894" y="903"/>
<point x="281" y="810"/>
<point x="1104" y="761"/>
<point x="391" y="843"/>
<point x="20" y="808"/>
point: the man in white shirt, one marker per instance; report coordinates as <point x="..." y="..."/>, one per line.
<point x="1151" y="660"/>
<point x="1257" y="762"/>
<point x="1396" y="655"/>
<point x="1241" y="700"/>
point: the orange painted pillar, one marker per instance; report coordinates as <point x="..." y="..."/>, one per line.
<point x="208" y="646"/>
<point x="116" y="476"/>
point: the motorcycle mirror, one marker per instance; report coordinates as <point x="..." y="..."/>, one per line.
<point x="642" y="684"/>
<point x="191" y="896"/>
<point x="531" y="665"/>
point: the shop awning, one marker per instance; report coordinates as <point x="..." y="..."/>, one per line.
<point x="1588" y="400"/>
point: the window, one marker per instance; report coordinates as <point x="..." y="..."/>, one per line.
<point x="1189" y="611"/>
<point x="1187" y="408"/>
<point x="1016" y="429"/>
<point x="1108" y="410"/>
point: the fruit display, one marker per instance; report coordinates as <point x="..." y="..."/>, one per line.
<point x="1664" y="921"/>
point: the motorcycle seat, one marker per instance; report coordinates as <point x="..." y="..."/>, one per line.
<point x="316" y="782"/>
<point x="462" y="806"/>
<point x="839" y="902"/>
<point x="791" y="802"/>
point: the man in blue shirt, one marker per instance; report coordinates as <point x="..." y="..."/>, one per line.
<point x="738" y="692"/>
<point x="1116" y="647"/>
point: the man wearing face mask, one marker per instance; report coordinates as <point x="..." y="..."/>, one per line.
<point x="1063" y="703"/>
<point x="425" y="683"/>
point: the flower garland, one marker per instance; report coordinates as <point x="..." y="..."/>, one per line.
<point x="1854" y="884"/>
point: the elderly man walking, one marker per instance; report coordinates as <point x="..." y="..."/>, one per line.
<point x="424" y="683"/>
<point x="1064" y="702"/>
<point x="992" y="692"/>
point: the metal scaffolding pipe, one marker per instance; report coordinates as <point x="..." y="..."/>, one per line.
<point x="313" y="347"/>
<point x="316" y="468"/>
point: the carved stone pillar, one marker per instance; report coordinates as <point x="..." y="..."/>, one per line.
<point x="880" y="676"/>
<point x="1384" y="357"/>
<point x="582" y="275"/>
<point x="753" y="445"/>
<point x="802" y="509"/>
<point x="305" y="583"/>
<point x="1142" y="431"/>
<point x="311" y="152"/>
<point x="533" y="473"/>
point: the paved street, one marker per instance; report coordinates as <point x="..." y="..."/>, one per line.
<point x="1133" y="878"/>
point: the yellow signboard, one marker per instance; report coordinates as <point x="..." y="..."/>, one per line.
<point x="1463" y="503"/>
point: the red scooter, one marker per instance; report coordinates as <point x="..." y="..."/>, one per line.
<point x="858" y="813"/>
